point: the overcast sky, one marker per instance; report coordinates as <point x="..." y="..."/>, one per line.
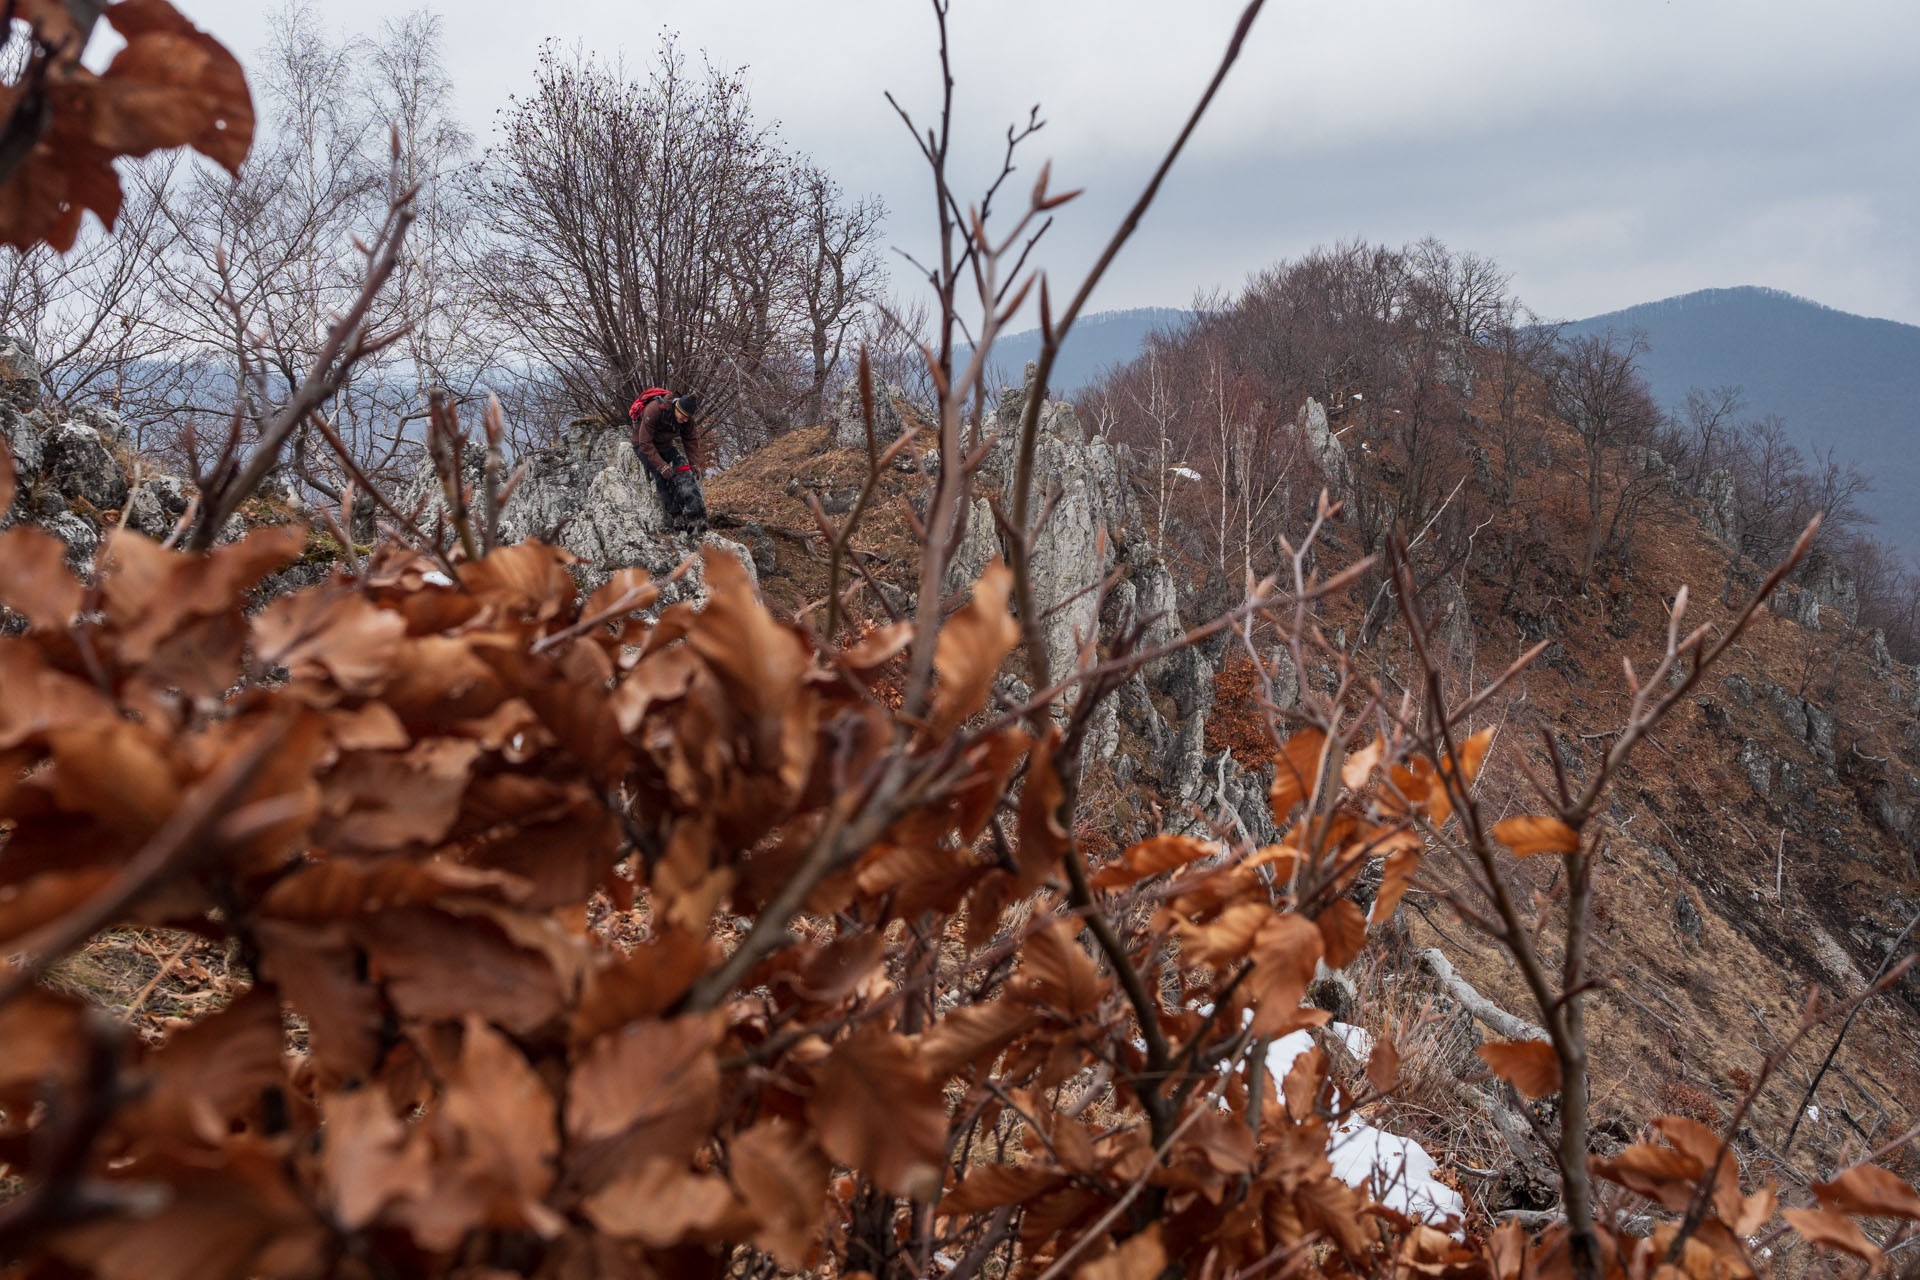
<point x="1607" y="152"/>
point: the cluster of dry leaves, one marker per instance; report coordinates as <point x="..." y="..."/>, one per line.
<point x="395" y="794"/>
<point x="172" y="85"/>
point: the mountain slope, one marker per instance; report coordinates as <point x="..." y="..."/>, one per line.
<point x="1097" y="341"/>
<point x="1841" y="381"/>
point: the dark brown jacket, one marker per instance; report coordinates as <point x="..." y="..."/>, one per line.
<point x="660" y="438"/>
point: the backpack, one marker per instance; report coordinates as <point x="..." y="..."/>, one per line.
<point x="647" y="397"/>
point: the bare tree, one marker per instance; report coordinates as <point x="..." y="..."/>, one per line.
<point x="839" y="272"/>
<point x="655" y="232"/>
<point x="1597" y="389"/>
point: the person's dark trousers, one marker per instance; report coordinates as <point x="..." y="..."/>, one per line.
<point x="663" y="480"/>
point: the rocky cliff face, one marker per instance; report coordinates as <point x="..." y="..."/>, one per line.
<point x="75" y="476"/>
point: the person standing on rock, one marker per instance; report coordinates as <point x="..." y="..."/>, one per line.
<point x="666" y="439"/>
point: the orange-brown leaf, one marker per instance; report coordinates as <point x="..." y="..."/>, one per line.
<point x="1473" y="754"/>
<point x="34" y="578"/>
<point x="782" y="1177"/>
<point x="973" y="1035"/>
<point x="1296" y="770"/>
<point x="1528" y="1065"/>
<point x="1870" y="1191"/>
<point x="1042" y="837"/>
<point x="1343" y="932"/>
<point x="656" y="1082"/>
<point x="1059" y="974"/>
<point x="1285" y="956"/>
<point x="1395" y="878"/>
<point x="875" y="1108"/>
<point x="1149" y="858"/>
<point x="990" y="1186"/>
<point x="1383" y="1065"/>
<point x="972" y="645"/>
<point x="1530" y="835"/>
<point x="331" y="633"/>
<point x="661" y="1203"/>
<point x="171" y="86"/>
<point x="1832" y="1231"/>
<point x="1141" y="1257"/>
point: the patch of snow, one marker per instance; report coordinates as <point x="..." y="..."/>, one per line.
<point x="1186" y="473"/>
<point x="433" y="577"/>
<point x="1397" y="1171"/>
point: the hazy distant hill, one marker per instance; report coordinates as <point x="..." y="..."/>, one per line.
<point x="1839" y="380"/>
<point x="1097" y="341"/>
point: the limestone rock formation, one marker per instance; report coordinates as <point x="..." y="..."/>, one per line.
<point x="591" y="496"/>
<point x="1325" y="448"/>
<point x="849" y="420"/>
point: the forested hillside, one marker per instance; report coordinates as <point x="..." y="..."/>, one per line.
<point x="1838" y="383"/>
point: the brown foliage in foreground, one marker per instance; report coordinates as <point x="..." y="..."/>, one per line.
<point x="396" y="794"/>
<point x="171" y="86"/>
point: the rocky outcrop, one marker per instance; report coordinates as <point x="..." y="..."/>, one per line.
<point x="1721" y="510"/>
<point x="77" y="462"/>
<point x="849" y="420"/>
<point x="591" y="496"/>
<point x="1325" y="448"/>
<point x="19" y="375"/>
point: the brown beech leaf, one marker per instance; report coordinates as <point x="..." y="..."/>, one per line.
<point x="1395" y="877"/>
<point x="1659" y="1173"/>
<point x="1141" y="1257"/>
<point x="1301" y="1088"/>
<point x="1871" y="1192"/>
<point x="1042" y="838"/>
<point x="643" y="985"/>
<point x="119" y="773"/>
<point x="972" y="645"/>
<point x="1383" y="1065"/>
<point x="1360" y="765"/>
<point x="972" y="1035"/>
<point x="371" y="1160"/>
<point x="439" y="966"/>
<point x="1149" y="858"/>
<point x="877" y="647"/>
<point x="782" y="1177"/>
<point x="657" y="1082"/>
<point x="875" y="1108"/>
<point x="1528" y="1065"/>
<point x="318" y="973"/>
<point x="34" y="578"/>
<point x="993" y="1185"/>
<point x="1295" y="771"/>
<point x="1343" y="931"/>
<point x="331" y="633"/>
<point x="528" y="580"/>
<point x="1473" y="754"/>
<point x="1832" y="1231"/>
<point x="376" y="801"/>
<point x="661" y="1203"/>
<point x="506" y="1117"/>
<point x="172" y="86"/>
<point x="233" y="1211"/>
<point x="1285" y="955"/>
<point x="1527" y="836"/>
<point x="210" y="1074"/>
<point x="1059" y="975"/>
<point x="47" y="897"/>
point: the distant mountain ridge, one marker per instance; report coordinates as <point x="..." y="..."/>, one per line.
<point x="1096" y="343"/>
<point x="1841" y="381"/>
